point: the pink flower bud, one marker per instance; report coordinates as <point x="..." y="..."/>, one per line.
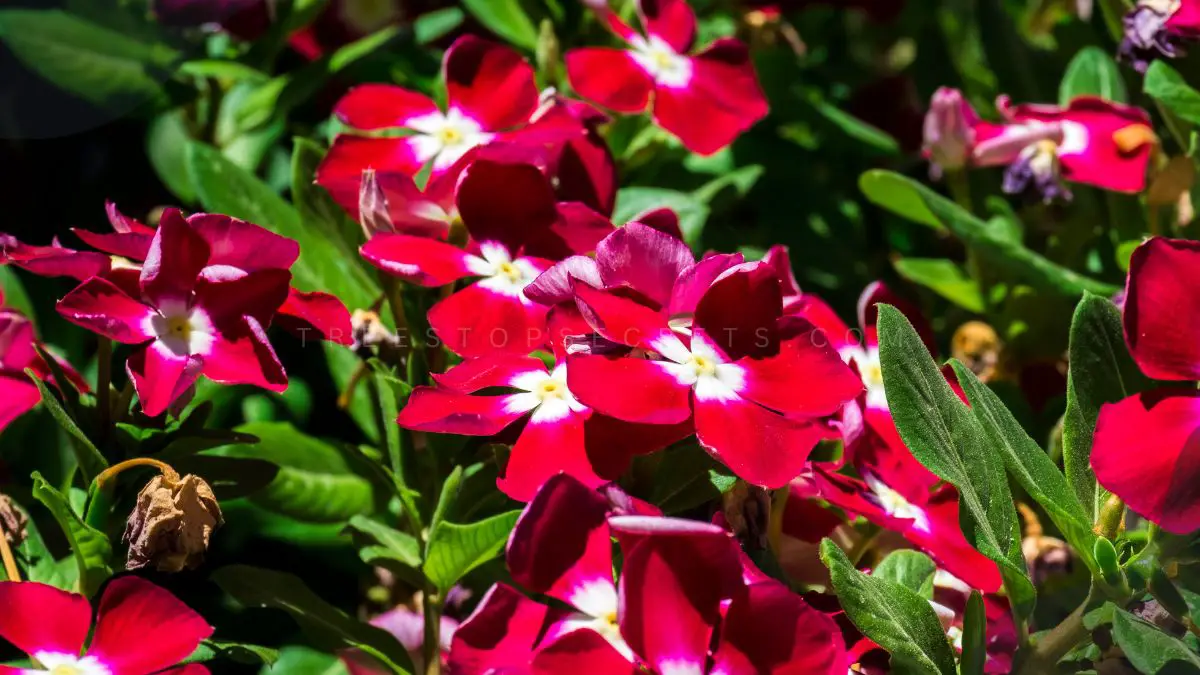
<point x="949" y="131"/>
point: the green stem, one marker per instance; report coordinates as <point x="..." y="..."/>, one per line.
<point x="431" y="649"/>
<point x="1055" y="644"/>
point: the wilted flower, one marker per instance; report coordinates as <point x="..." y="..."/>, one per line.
<point x="12" y="521"/>
<point x="171" y="524"/>
<point x="949" y="131"/>
<point x="140" y="628"/>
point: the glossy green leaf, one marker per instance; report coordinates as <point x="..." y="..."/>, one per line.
<point x="167" y="139"/>
<point x="945" y="278"/>
<point x="505" y="18"/>
<point x="315" y="483"/>
<point x="1100" y="371"/>
<point x="912" y="569"/>
<point x="1029" y="464"/>
<point x="908" y="198"/>
<point x="950" y="441"/>
<point x="327" y="626"/>
<point x="974" y="637"/>
<point x="432" y="26"/>
<point x="389" y="542"/>
<point x="1149" y="649"/>
<point x="455" y="550"/>
<point x="1168" y="87"/>
<point x="91" y="548"/>
<point x="894" y="616"/>
<point x="91" y="462"/>
<point x="693" y="213"/>
<point x="298" y="659"/>
<point x="1092" y="72"/>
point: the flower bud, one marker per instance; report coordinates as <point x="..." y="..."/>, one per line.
<point x="12" y="521"/>
<point x="170" y="527"/>
<point x="949" y="131"/>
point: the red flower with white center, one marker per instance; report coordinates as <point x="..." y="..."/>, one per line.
<point x="490" y="90"/>
<point x="1145" y="448"/>
<point x="1155" y="28"/>
<point x="140" y="629"/>
<point x="706" y="99"/>
<point x="559" y="435"/>
<point x="737" y="370"/>
<point x="17" y="352"/>
<point x="186" y="317"/>
<point x="681" y="586"/>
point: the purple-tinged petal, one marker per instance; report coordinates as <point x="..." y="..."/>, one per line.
<point x="450" y="412"/>
<point x="625" y="320"/>
<point x="508" y="202"/>
<point x="258" y="294"/>
<point x="646" y="259"/>
<point x="176" y="257"/>
<point x="579" y="227"/>
<point x="101" y="307"/>
<point x="557" y="284"/>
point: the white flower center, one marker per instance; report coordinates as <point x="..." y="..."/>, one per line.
<point x="866" y="359"/>
<point x="701" y="367"/>
<point x="68" y="664"/>
<point x="662" y="63"/>
<point x="503" y="274"/>
<point x="445" y="138"/>
<point x="546" y="394"/>
<point x="896" y="505"/>
<point x="181" y="329"/>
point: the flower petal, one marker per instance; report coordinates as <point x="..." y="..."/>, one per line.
<point x="944" y="541"/>
<point x="101" y="307"/>
<point x="421" y="260"/>
<point x="671" y="20"/>
<point x="41" y="618"/>
<point x="176" y="257"/>
<point x="693" y="283"/>
<point x="54" y="260"/>
<point x="557" y="284"/>
<point x="769" y="629"/>
<point x="645" y="259"/>
<point x="803" y="378"/>
<point x="760" y="446"/>
<point x="579" y="228"/>
<point x="630" y="389"/>
<point x="316" y="315"/>
<point x="627" y="321"/>
<point x="134" y="246"/>
<point x="449" y="412"/>
<point x="1147" y="452"/>
<point x="500" y="635"/>
<point x="509" y="202"/>
<point x="142" y="629"/>
<point x="478" y="321"/>
<point x="610" y="78"/>
<point x="581" y="652"/>
<point x="242" y="354"/>
<point x="495" y="370"/>
<point x="242" y="245"/>
<point x="380" y="106"/>
<point x="17" y="396"/>
<point x="160" y="376"/>
<point x="490" y="82"/>
<point x="258" y="294"/>
<point x="740" y="312"/>
<point x="548" y="446"/>
<point x="1164" y="278"/>
<point x="341" y="171"/>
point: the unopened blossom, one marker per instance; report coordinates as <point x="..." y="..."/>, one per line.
<point x="139" y="629"/>
<point x="171" y="523"/>
<point x="705" y="98"/>
<point x="1158" y="28"/>
<point x="949" y="131"/>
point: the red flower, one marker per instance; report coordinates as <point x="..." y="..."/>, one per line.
<point x="187" y="316"/>
<point x="1145" y="449"/>
<point x="682" y="585"/>
<point x="706" y="99"/>
<point x="140" y="629"/>
<point x="17" y="352"/>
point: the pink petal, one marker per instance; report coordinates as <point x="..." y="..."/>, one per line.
<point x="868" y="312"/>
<point x="258" y="294"/>
<point x="421" y="260"/>
<point x="1159" y="326"/>
<point x="242" y="354"/>
<point x="760" y="446"/>
<point x="772" y="630"/>
<point x="477" y="321"/>
<point x="693" y="283"/>
<point x="671" y="20"/>
<point x="17" y="396"/>
<point x="629" y="389"/>
<point x="587" y="172"/>
<point x="612" y="443"/>
<point x="244" y="246"/>
<point x="623" y="319"/>
<point x="1147" y="452"/>
<point x="495" y="370"/>
<point x="449" y="412"/>
<point x="880" y="451"/>
<point x="409" y="210"/>
<point x="645" y="259"/>
<point x="490" y="82"/>
<point x="341" y="171"/>
<point x="855" y="497"/>
<point x="380" y="106"/>
<point x="579" y="227"/>
<point x="557" y="284"/>
<point x="663" y="219"/>
<point x="802" y="379"/>
<point x="160" y="376"/>
<point x="778" y="257"/>
<point x="610" y="78"/>
<point x="507" y="202"/>
<point x="101" y="307"/>
<point x="53" y="261"/>
<point x="131" y="245"/>
<point x="16" y="340"/>
<point x="123" y="224"/>
<point x="176" y="257"/>
<point x="721" y="101"/>
<point x="142" y="629"/>
<point x="40" y="618"/>
<point x="815" y="311"/>
<point x="500" y="635"/>
<point x="740" y="312"/>
<point x="581" y="652"/>
<point x="316" y="315"/>
<point x="545" y="448"/>
<point x="561" y="546"/>
<point x="189" y="669"/>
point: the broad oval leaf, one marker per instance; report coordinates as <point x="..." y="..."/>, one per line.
<point x="1092" y="73"/>
<point x="1148" y="648"/>
<point x="945" y="278"/>
<point x="912" y="569"/>
<point x="505" y="18"/>
<point x="1168" y="87"/>
<point x="455" y="550"/>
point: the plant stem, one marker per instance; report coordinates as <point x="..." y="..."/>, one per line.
<point x="431" y="608"/>
<point x="1055" y="644"/>
<point x="10" y="563"/>
<point x="104" y="384"/>
<point x="347" y="396"/>
<point x="170" y="475"/>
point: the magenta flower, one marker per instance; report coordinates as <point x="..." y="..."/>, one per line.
<point x="17" y="352"/>
<point x="1145" y="449"/>
<point x="140" y="629"/>
<point x="1156" y="28"/>
<point x="682" y="586"/>
<point x="186" y="316"/>
<point x="706" y="99"/>
<point x="949" y="131"/>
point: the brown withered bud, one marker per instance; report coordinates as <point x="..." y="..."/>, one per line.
<point x="170" y="527"/>
<point x="977" y="346"/>
<point x="369" y="331"/>
<point x="12" y="521"/>
<point x="747" y="510"/>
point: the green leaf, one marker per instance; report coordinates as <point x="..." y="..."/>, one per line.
<point x="221" y="69"/>
<point x="1169" y="88"/>
<point x="1100" y="371"/>
<point x="230" y="477"/>
<point x="455" y="550"/>
<point x="91" y="462"/>
<point x="1029" y="464"/>
<point x="870" y="136"/>
<point x="433" y="26"/>
<point x="894" y="616"/>
<point x="317" y="208"/>
<point x="911" y="569"/>
<point x="91" y="548"/>
<point x="166" y="146"/>
<point x="1149" y="649"/>
<point x="974" y="638"/>
<point x="505" y="18"/>
<point x="13" y="292"/>
<point x="1092" y="73"/>
<point x="327" y="626"/>
<point x="224" y="187"/>
<point x="693" y="213"/>
<point x="315" y="483"/>
<point x="910" y="199"/>
<point x="446" y="502"/>
<point x="111" y="69"/>
<point x="949" y="440"/>
<point x="298" y="659"/>
<point x="390" y="543"/>
<point x="234" y="651"/>
<point x="945" y="278"/>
